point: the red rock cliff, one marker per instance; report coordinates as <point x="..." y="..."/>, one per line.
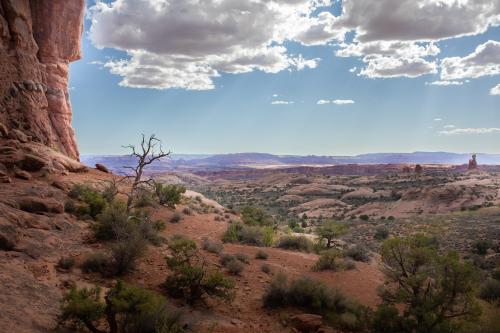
<point x="38" y="40"/>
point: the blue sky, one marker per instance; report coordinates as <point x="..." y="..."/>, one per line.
<point x="396" y="114"/>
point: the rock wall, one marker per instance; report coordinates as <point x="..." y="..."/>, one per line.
<point x="38" y="40"/>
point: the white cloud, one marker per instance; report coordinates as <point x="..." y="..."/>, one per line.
<point x="444" y="83"/>
<point x="275" y="95"/>
<point x="449" y="126"/>
<point x="187" y="43"/>
<point x="422" y="20"/>
<point x="387" y="67"/>
<point x="495" y="91"/>
<point x="282" y="102"/>
<point x="484" y="61"/>
<point x="352" y="70"/>
<point x="438" y="119"/>
<point x="389" y="48"/>
<point x="336" y="101"/>
<point x="460" y="131"/>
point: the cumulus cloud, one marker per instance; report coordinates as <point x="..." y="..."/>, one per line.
<point x="495" y="91"/>
<point x="444" y="83"/>
<point x="187" y="43"/>
<point x="282" y="102"/>
<point x="438" y="119"/>
<point x="387" y="67"/>
<point x="335" y="101"/>
<point x="423" y="20"/>
<point x="449" y="126"/>
<point x="484" y="61"/>
<point x="461" y="131"/>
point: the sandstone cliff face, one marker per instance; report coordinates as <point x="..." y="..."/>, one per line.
<point x="38" y="40"/>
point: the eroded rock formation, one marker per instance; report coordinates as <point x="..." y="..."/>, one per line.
<point x="38" y="40"/>
<point x="473" y="162"/>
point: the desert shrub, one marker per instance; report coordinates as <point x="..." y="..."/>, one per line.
<point x="235" y="267"/>
<point x="329" y="231"/>
<point x="113" y="223"/>
<point x="212" y="246"/>
<point x="261" y="255"/>
<point x="169" y="194"/>
<point x="490" y="290"/>
<point x="386" y="319"/>
<point x="176" y="218"/>
<point x="91" y="197"/>
<point x="358" y="253"/>
<point x="297" y="243"/>
<point x="496" y="274"/>
<point x="251" y="235"/>
<point x="327" y="261"/>
<point x="109" y="192"/>
<point x="440" y="285"/>
<point x="391" y="218"/>
<point x="381" y="233"/>
<point x="187" y="211"/>
<point x="349" y="264"/>
<point x="66" y="263"/>
<point x="97" y="262"/>
<point x="190" y="278"/>
<point x="126" y="252"/>
<point x="265" y="268"/>
<point x="69" y="206"/>
<point x="481" y="247"/>
<point x="125" y="309"/>
<point x="364" y="217"/>
<point x="256" y="217"/>
<point x="143" y="198"/>
<point x="314" y="296"/>
<point x="242" y="257"/>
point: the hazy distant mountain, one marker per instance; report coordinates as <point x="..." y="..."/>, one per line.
<point x="182" y="162"/>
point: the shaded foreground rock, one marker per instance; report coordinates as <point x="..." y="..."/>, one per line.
<point x="102" y="168"/>
<point x="306" y="322"/>
<point x="40" y="205"/>
<point x="38" y="40"/>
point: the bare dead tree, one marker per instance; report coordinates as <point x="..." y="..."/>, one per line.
<point x="150" y="150"/>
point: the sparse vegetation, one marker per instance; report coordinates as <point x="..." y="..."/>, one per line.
<point x="191" y="279"/>
<point x="329" y="231"/>
<point x="251" y="235"/>
<point x="66" y="263"/>
<point x="124" y="309"/>
<point x="327" y="261"/>
<point x="381" y="233"/>
<point x="314" y="296"/>
<point x="169" y="195"/>
<point x="212" y="246"/>
<point x="296" y="243"/>
<point x="261" y="255"/>
<point x="357" y="253"/>
<point x="481" y="247"/>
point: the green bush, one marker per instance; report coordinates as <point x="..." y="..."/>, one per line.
<point x="242" y="257"/>
<point x="126" y="309"/>
<point x="91" y="197"/>
<point x="212" y="246"/>
<point x="364" y="217"/>
<point x="329" y="231"/>
<point x="313" y="296"/>
<point x="97" y="262"/>
<point x="176" y="218"/>
<point x="297" y="243"/>
<point x="381" y="233"/>
<point x="386" y="319"/>
<point x="327" y="261"/>
<point x="169" y="194"/>
<point x="251" y="235"/>
<point x="143" y="198"/>
<point x="481" y="247"/>
<point x="113" y="223"/>
<point x="255" y="216"/>
<point x="190" y="278"/>
<point x="126" y="252"/>
<point x="235" y="267"/>
<point x="490" y="290"/>
<point x="358" y="253"/>
<point x="69" y="206"/>
<point x="261" y="255"/>
<point x="266" y="268"/>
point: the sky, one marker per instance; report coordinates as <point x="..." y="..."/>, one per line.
<point x="301" y="77"/>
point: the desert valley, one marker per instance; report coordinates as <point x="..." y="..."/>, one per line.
<point x="153" y="242"/>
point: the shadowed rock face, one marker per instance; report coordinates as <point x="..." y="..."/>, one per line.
<point x="38" y="40"/>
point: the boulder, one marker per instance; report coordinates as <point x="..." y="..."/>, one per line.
<point x="33" y="163"/>
<point x="40" y="205"/>
<point x="306" y="322"/>
<point x="102" y="168"/>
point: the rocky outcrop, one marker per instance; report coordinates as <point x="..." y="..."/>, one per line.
<point x="38" y="40"/>
<point x="473" y="162"/>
